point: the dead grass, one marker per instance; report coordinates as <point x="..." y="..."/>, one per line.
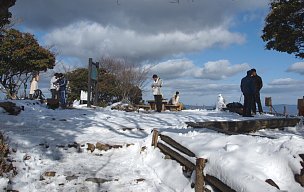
<point x="6" y="165"/>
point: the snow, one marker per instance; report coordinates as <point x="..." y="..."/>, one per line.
<point x="41" y="137"/>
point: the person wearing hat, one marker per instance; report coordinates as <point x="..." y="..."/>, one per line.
<point x="248" y="89"/>
<point x="258" y="86"/>
<point x="158" y="97"/>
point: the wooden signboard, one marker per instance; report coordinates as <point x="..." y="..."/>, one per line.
<point x="301" y="107"/>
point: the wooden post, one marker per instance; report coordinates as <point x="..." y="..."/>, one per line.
<point x="200" y="180"/>
<point x="285" y="111"/>
<point x="301" y="106"/>
<point x="300" y="177"/>
<point x="95" y="78"/>
<point x="95" y="94"/>
<point x="89" y="83"/>
<point x="176" y="156"/>
<point x="176" y="145"/>
<point x="272" y="183"/>
<point x="155" y="138"/>
<point x="218" y="184"/>
<point x="268" y="103"/>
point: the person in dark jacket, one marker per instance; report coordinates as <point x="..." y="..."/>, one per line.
<point x="248" y="89"/>
<point x="258" y="86"/>
<point x="62" y="83"/>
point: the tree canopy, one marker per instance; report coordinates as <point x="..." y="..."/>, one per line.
<point x="111" y="87"/>
<point x="284" y="27"/>
<point x="20" y="56"/>
<point x="5" y="15"/>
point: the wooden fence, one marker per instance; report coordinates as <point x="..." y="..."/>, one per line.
<point x="246" y="126"/>
<point x="181" y="154"/>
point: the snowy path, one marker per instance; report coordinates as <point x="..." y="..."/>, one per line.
<point x="37" y="132"/>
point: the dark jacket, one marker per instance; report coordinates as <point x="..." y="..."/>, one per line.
<point x="258" y="83"/>
<point x="62" y="82"/>
<point x="247" y="85"/>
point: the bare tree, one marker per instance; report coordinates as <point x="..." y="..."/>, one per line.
<point x="128" y="75"/>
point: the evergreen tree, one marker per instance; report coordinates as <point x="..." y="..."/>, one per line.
<point x="20" y="56"/>
<point x="5" y="15"/>
<point x="284" y="27"/>
<point x="108" y="87"/>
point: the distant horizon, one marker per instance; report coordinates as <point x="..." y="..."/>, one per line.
<point x="278" y="108"/>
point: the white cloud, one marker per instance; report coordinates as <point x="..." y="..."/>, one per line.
<point x="285" y="81"/>
<point x="173" y="69"/>
<point x="90" y="39"/>
<point x="297" y="68"/>
<point x="221" y="69"/>
<point x="284" y="86"/>
<point x="212" y="70"/>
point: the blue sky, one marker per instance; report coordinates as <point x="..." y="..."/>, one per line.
<point x="200" y="48"/>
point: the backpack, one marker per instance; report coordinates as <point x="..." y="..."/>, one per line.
<point x="38" y="94"/>
<point x="235" y="107"/>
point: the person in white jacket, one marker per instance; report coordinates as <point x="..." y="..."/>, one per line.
<point x="156" y="90"/>
<point x="54" y="86"/>
<point x="175" y="101"/>
<point x="34" y="84"/>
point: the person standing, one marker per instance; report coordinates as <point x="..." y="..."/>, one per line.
<point x="34" y="84"/>
<point x="54" y="87"/>
<point x="248" y="89"/>
<point x="158" y="98"/>
<point x="258" y="86"/>
<point x="62" y="83"/>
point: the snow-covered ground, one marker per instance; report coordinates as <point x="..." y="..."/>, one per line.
<point x="42" y="137"/>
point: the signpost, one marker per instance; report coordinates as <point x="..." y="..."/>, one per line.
<point x="92" y="82"/>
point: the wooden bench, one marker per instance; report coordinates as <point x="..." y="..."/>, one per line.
<point x="172" y="107"/>
<point x="153" y="105"/>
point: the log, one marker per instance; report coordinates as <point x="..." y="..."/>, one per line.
<point x="235" y="133"/>
<point x="218" y="184"/>
<point x="176" y="156"/>
<point x="176" y="145"/>
<point x="272" y="183"/>
<point x="155" y="138"/>
<point x="223" y="131"/>
<point x="300" y="177"/>
<point x="247" y="126"/>
<point x="11" y="107"/>
<point x="199" y="179"/>
<point x="52" y="103"/>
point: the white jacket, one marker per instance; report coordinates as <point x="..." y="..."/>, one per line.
<point x="53" y="81"/>
<point x="175" y="100"/>
<point x="156" y="85"/>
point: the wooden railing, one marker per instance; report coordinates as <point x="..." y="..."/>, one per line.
<point x="181" y="154"/>
<point x="184" y="161"/>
